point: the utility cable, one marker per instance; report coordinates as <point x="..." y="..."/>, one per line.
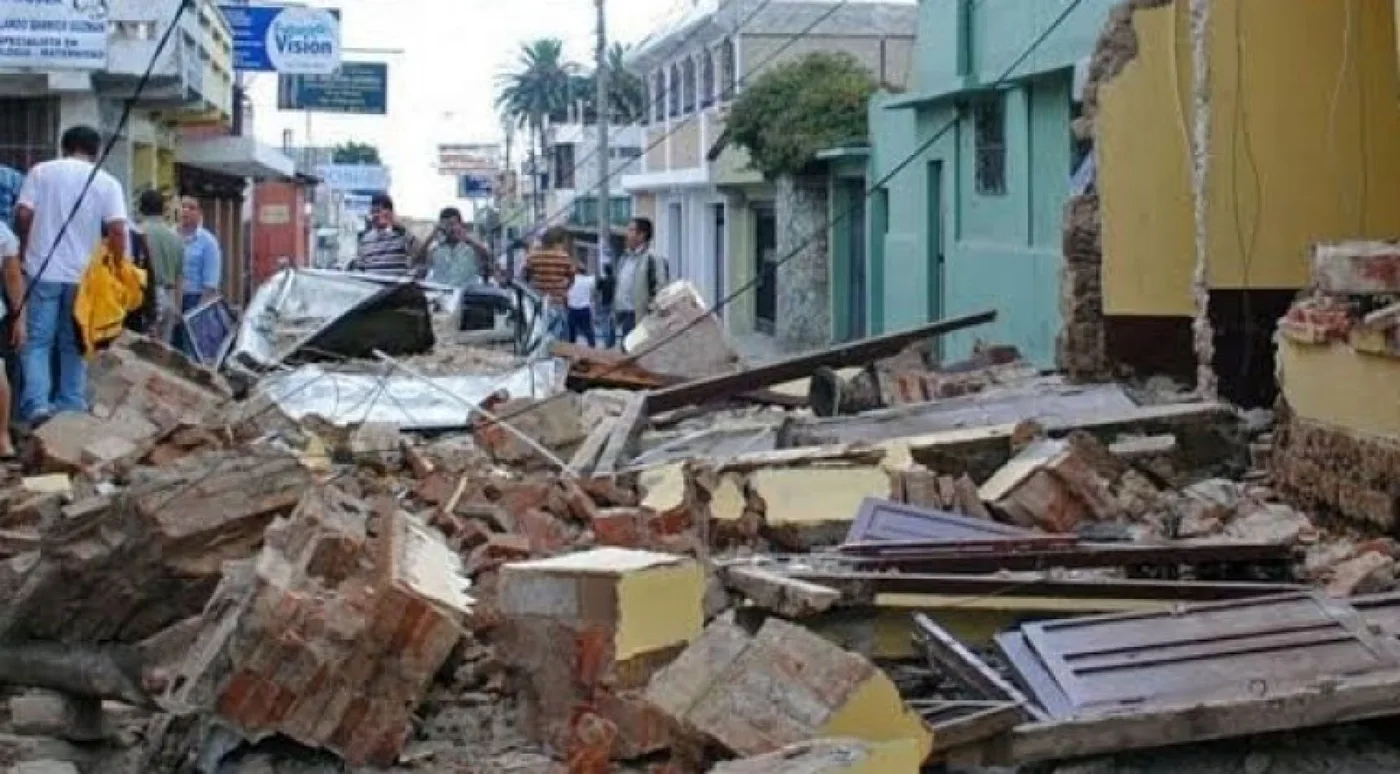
<point x="127" y="106"/>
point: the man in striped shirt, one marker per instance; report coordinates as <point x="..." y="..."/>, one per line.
<point x="387" y="247"/>
<point x="550" y="271"/>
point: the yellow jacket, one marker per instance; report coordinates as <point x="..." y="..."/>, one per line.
<point x="111" y="288"/>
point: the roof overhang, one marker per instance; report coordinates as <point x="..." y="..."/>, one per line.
<point x="238" y="157"/>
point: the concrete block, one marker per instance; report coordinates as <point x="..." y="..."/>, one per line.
<point x="757" y="694"/>
<point x="1357" y="268"/>
<point x="43" y="767"/>
<point x="831" y="756"/>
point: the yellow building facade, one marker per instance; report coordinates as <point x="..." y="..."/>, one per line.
<point x="1304" y="147"/>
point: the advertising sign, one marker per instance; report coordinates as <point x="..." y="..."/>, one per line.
<point x="469" y="158"/>
<point x="291" y="40"/>
<point x="53" y="34"/>
<point x="354" y="177"/>
<point x="357" y="87"/>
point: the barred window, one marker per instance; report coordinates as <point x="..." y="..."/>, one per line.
<point x="989" y="137"/>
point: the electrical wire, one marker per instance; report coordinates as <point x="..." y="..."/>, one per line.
<point x="1241" y="138"/>
<point x="826" y="224"/>
<point x="122" y="120"/>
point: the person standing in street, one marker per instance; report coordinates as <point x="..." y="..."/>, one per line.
<point x="11" y="181"/>
<point x="550" y="271"/>
<point x="640" y="275"/>
<point x="203" y="267"/>
<point x="53" y="262"/>
<point x="607" y="294"/>
<point x="580" y="298"/>
<point x="165" y="252"/>
<point x="455" y="257"/>
<point x="9" y="251"/>
<point x="386" y="248"/>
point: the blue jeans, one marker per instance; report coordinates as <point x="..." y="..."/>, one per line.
<point x="558" y="323"/>
<point x="581" y="324"/>
<point x="626" y="323"/>
<point x="604" y="320"/>
<point x="52" y="333"/>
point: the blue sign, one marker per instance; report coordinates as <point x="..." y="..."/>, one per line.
<point x="474" y="186"/>
<point x="284" y="39"/>
<point x="358" y="87"/>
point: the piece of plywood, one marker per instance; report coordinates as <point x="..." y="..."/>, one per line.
<point x="885" y="521"/>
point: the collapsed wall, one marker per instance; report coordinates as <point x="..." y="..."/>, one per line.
<point x="1082" y="345"/>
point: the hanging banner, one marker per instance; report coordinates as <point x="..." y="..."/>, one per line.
<point x="354" y="177"/>
<point x="458" y="159"/>
<point x="360" y="88"/>
<point x="53" y="34"/>
<point x="284" y="39"/>
<point x="475" y="186"/>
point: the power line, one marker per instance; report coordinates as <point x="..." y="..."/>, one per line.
<point x="98" y="163"/>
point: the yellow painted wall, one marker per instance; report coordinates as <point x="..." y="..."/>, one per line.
<point x="1338" y="386"/>
<point x="1309" y="154"/>
<point x="144" y="167"/>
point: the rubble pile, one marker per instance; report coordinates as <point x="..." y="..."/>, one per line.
<point x="665" y="578"/>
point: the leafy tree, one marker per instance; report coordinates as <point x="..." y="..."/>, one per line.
<point x="793" y="111"/>
<point x="355" y="153"/>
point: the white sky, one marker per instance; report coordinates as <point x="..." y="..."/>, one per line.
<point x="442" y="87"/>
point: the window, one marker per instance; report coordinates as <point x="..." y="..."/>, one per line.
<point x="658" y="97"/>
<point x="564" y="166"/>
<point x="688" y="86"/>
<point x="648" y="99"/>
<point x="675" y="91"/>
<point x="707" y="79"/>
<point x="726" y="65"/>
<point x="28" y="126"/>
<point x="989" y="136"/>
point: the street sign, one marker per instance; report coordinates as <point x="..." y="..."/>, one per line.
<point x="291" y="40"/>
<point x="53" y="35"/>
<point x="457" y="159"/>
<point x="475" y="186"/>
<point x="354" y="177"/>
<point x="358" y="87"/>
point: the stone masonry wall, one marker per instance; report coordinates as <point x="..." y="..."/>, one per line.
<point x="804" y="279"/>
<point x="1082" y="342"/>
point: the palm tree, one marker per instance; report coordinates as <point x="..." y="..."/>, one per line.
<point x="537" y="90"/>
<point x="626" y="90"/>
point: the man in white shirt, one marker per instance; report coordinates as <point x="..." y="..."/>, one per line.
<point x="580" y="300"/>
<point x="53" y="262"/>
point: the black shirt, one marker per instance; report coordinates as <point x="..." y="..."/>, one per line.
<point x="607" y="288"/>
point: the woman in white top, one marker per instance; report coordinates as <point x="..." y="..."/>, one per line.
<point x="581" y="306"/>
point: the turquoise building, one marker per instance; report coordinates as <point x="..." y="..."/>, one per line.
<point x="974" y="220"/>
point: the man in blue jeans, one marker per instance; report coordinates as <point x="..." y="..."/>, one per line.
<point x="54" y="260"/>
<point x="203" y="267"/>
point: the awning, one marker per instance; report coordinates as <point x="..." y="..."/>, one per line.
<point x="237" y="157"/>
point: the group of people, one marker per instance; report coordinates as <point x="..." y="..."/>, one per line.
<point x="583" y="302"/>
<point x="54" y="221"/>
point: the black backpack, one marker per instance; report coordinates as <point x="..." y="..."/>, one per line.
<point x="143" y="320"/>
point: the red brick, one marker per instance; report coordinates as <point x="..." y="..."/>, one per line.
<point x="620" y="528"/>
<point x="545" y="533"/>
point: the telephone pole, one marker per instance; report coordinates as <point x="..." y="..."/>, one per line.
<point x="604" y="103"/>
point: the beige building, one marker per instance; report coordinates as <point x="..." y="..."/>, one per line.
<point x="714" y="216"/>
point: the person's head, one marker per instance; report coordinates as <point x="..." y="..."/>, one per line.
<point x="556" y="238"/>
<point x="451" y="222"/>
<point x="607" y="270"/>
<point x="381" y="211"/>
<point x="639" y="233"/>
<point x="151" y="204"/>
<point x="191" y="216"/>
<point x="81" y="142"/>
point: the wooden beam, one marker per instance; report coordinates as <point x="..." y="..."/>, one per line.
<point x="587" y="455"/>
<point x="623" y="440"/>
<point x="855" y="353"/>
<point x="949" y="656"/>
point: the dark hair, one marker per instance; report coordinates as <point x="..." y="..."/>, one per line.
<point x="450" y="212"/>
<point x="151" y="204"/>
<point x="644" y="225"/>
<point x="381" y="202"/>
<point x="555" y="236"/>
<point x="81" y="139"/>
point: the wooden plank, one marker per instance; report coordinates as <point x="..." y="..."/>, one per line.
<point x="1325" y="701"/>
<point x="958" y="724"/>
<point x="586" y="458"/>
<point x="851" y="354"/>
<point x="623" y="439"/>
<point x="950" y="657"/>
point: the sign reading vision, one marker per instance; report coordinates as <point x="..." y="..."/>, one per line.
<point x="290" y="40"/>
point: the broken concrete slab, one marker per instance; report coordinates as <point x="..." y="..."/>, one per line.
<point x="788" y="597"/>
<point x="831" y="756"/>
<point x="555" y="423"/>
<point x="755" y="694"/>
<point x="1357" y="268"/>
<point x="588" y="630"/>
<point x="696" y="344"/>
<point x="1051" y="485"/>
<point x="333" y="635"/>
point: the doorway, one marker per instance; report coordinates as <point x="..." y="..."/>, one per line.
<point x="857" y="265"/>
<point x="675" y="239"/>
<point x="718" y="252"/>
<point x="766" y="268"/>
